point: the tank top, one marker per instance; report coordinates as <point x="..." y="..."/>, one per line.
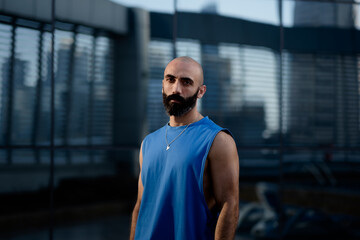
<point x="173" y="205"/>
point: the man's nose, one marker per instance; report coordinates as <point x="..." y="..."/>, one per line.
<point x="176" y="87"/>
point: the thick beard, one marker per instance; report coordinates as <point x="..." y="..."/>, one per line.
<point x="179" y="109"/>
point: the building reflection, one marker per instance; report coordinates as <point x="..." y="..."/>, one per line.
<point x="315" y="116"/>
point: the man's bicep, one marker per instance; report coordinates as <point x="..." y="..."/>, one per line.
<point x="140" y="188"/>
<point x="140" y="184"/>
<point x="224" y="167"/>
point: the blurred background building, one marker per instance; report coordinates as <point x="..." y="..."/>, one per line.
<point x="326" y="118"/>
<point x="282" y="75"/>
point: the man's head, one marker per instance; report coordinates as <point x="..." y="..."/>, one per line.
<point x="183" y="84"/>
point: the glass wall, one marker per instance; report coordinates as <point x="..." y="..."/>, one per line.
<point x="281" y="75"/>
<point x="83" y="116"/>
<point x="285" y="81"/>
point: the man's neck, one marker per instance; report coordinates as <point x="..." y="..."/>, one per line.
<point x="190" y="117"/>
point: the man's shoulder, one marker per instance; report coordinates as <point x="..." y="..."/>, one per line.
<point x="223" y="145"/>
<point x="224" y="136"/>
<point x="221" y="130"/>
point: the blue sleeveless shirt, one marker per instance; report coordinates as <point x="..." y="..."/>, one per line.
<point x="173" y="205"/>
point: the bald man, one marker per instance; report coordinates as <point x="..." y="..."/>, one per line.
<point x="188" y="184"/>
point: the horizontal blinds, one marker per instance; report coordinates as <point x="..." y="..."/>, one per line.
<point x="248" y="94"/>
<point x="241" y="87"/>
<point x="83" y="91"/>
<point x="160" y="53"/>
<point x="102" y="98"/>
<point x="79" y="92"/>
<point x="63" y="69"/>
<point x="25" y="77"/>
<point x="43" y="117"/>
<point x="5" y="54"/>
<point x="321" y="99"/>
<point x="318" y="102"/>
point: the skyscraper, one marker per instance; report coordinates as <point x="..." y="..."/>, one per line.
<point x="317" y="14"/>
<point x="322" y="88"/>
<point x="22" y="105"/>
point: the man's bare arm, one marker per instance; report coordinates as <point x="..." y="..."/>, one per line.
<point x="224" y="167"/>
<point x="135" y="212"/>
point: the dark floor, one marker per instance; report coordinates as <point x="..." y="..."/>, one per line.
<point x="110" y="228"/>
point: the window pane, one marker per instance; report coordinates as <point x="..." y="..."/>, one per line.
<point x="250" y="93"/>
<point x="5" y="51"/>
<point x="80" y="91"/>
<point x="63" y="67"/>
<point x="160" y="54"/>
<point x="24" y="85"/>
<point x="43" y="129"/>
<point x="102" y="95"/>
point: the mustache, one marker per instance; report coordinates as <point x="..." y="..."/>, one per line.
<point x="175" y="97"/>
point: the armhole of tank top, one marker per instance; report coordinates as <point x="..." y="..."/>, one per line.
<point x="206" y="156"/>
<point x="203" y="163"/>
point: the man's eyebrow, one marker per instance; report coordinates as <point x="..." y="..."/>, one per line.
<point x="169" y="76"/>
<point x="187" y="79"/>
<point x="182" y="78"/>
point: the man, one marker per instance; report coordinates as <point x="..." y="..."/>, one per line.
<point x="189" y="169"/>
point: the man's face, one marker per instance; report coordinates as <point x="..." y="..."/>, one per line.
<point x="182" y="86"/>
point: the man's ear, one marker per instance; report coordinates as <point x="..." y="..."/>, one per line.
<point x="201" y="92"/>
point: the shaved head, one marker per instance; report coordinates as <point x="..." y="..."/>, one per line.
<point x="189" y="60"/>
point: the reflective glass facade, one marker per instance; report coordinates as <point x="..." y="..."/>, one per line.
<point x="83" y="89"/>
<point x="83" y="116"/>
<point x="288" y="91"/>
<point x="283" y="76"/>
